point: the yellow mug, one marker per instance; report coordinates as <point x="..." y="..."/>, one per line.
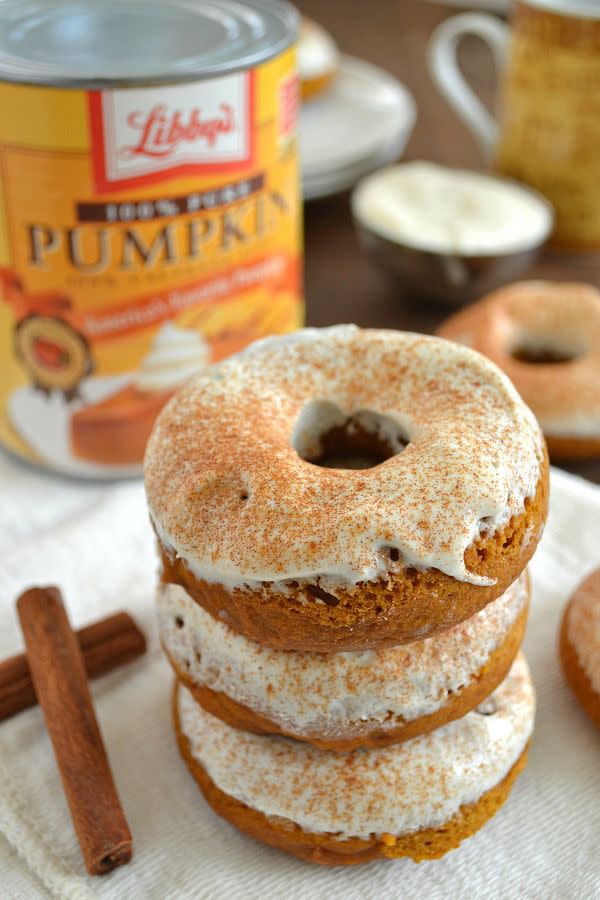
<point x="547" y="133"/>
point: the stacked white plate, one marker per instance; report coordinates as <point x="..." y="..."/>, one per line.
<point x="360" y="123"/>
<point x="497" y="6"/>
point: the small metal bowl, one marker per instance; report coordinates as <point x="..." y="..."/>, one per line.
<point x="448" y="278"/>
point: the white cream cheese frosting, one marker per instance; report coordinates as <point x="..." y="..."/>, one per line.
<point x="396" y="790"/>
<point x="229" y="493"/>
<point x="334" y="694"/>
<point x="175" y="355"/>
<point x="451" y="211"/>
<point x="583" y="627"/>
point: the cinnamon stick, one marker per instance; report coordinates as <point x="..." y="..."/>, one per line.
<point x="105" y="645"/>
<point x="61" y="686"/>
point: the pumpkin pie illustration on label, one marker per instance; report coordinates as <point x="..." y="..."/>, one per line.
<point x="115" y="430"/>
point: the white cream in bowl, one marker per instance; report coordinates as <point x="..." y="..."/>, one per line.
<point x="452" y="211"/>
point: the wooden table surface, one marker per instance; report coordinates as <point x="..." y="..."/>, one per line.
<point x="342" y="283"/>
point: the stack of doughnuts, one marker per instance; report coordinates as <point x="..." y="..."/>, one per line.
<point x="344" y="518"/>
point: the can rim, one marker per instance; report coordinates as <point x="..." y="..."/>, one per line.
<point x="21" y="69"/>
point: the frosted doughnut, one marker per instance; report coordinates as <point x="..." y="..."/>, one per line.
<point x="546" y="337"/>
<point x="318" y="59"/>
<point x="299" y="556"/>
<point x="580" y="645"/>
<point x="342" y="700"/>
<point x="417" y="799"/>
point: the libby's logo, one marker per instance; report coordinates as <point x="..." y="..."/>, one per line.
<point x="161" y="131"/>
<point x="139" y="135"/>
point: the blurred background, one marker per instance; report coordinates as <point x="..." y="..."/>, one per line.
<point x="395" y="36"/>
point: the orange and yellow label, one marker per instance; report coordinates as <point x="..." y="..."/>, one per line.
<point x="142" y="230"/>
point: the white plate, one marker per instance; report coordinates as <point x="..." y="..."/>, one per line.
<point x="497" y="6"/>
<point x="43" y="422"/>
<point x="364" y="111"/>
<point x="316" y="187"/>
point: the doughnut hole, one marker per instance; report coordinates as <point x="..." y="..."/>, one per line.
<point x="327" y="437"/>
<point x="540" y="349"/>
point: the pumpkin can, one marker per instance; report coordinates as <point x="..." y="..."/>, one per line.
<point x="150" y="212"/>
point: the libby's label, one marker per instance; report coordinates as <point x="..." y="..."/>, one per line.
<point x="140" y="134"/>
<point x="144" y="232"/>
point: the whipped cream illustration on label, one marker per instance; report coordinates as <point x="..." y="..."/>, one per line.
<point x="175" y="355"/>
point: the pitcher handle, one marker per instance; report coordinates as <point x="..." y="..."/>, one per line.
<point x="443" y="65"/>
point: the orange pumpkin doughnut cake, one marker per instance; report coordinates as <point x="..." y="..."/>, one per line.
<point x="341" y="701"/>
<point x="580" y="645"/>
<point x="318" y="59"/>
<point x="261" y="520"/>
<point x="418" y="799"/>
<point x="546" y="337"/>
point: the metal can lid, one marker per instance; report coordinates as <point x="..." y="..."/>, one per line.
<point x="96" y="43"/>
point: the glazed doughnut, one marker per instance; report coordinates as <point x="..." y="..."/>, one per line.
<point x="318" y="59"/>
<point x="341" y="701"/>
<point x="579" y="645"/>
<point x="546" y="337"/>
<point x="296" y="555"/>
<point x="418" y="799"/>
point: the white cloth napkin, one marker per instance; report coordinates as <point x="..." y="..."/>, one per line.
<point x="94" y="541"/>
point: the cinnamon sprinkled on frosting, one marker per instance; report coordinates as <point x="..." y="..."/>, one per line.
<point x="396" y="790"/>
<point x="543" y="316"/>
<point x="332" y="694"/>
<point x="229" y="493"/>
<point x="584" y="627"/>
